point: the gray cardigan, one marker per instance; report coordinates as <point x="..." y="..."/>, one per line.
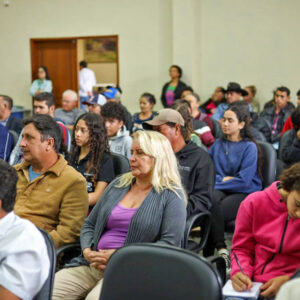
<point x="161" y="219"/>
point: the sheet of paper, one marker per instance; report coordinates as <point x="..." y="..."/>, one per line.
<point x="228" y="290"/>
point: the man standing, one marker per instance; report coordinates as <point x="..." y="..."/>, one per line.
<point x="277" y="113"/>
<point x="87" y="80"/>
<point x="6" y="118"/>
<point x="195" y="165"/>
<point x="234" y="93"/>
<point x="69" y="112"/>
<point x="24" y="262"/>
<point x="50" y="193"/>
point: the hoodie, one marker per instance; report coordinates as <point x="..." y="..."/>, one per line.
<point x="121" y="142"/>
<point x="198" y="177"/>
<point x="266" y="241"/>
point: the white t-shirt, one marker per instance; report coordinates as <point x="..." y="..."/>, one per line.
<point x="24" y="261"/>
<point x="87" y="80"/>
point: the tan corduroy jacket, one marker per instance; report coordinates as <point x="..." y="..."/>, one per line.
<point x="56" y="201"/>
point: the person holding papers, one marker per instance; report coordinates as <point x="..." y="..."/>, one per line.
<point x="266" y="240"/>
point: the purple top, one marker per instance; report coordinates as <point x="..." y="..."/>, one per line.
<point x="116" y="228"/>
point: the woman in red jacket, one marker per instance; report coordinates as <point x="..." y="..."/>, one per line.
<point x="266" y="241"/>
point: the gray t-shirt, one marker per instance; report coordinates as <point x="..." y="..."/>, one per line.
<point x="68" y="117"/>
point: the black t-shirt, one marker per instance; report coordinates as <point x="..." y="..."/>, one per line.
<point x="106" y="172"/>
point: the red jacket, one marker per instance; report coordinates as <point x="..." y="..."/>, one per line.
<point x="266" y="241"/>
<point x="287" y="125"/>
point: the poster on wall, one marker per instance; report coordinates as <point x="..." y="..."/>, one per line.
<point x="100" y="50"/>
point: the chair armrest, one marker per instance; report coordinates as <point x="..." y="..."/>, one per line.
<point x="67" y="247"/>
<point x="201" y="219"/>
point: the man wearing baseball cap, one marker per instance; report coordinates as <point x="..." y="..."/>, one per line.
<point x="95" y="103"/>
<point x="234" y="93"/>
<point x="195" y="165"/>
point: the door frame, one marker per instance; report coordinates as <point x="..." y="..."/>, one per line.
<point x="33" y="42"/>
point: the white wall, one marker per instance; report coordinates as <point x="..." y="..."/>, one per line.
<point x="251" y="42"/>
<point x="144" y="39"/>
<point x="215" y="41"/>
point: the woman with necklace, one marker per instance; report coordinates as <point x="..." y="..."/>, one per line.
<point x="237" y="172"/>
<point x="42" y="84"/>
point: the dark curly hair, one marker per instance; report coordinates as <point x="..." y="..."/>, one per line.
<point x="290" y="178"/>
<point x="113" y="110"/>
<point x="98" y="143"/>
<point x="183" y="106"/>
<point x="241" y="110"/>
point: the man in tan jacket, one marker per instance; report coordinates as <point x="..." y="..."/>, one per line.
<point x="50" y="193"/>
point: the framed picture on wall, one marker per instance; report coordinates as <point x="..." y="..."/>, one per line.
<point x="100" y="50"/>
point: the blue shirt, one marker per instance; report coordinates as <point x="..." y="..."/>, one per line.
<point x="32" y="175"/>
<point x="220" y="110"/>
<point x="238" y="160"/>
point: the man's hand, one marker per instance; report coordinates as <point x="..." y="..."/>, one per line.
<point x="271" y="287"/>
<point x="241" y="282"/>
<point x="227" y="178"/>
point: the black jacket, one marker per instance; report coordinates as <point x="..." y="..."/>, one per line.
<point x="289" y="149"/>
<point x="198" y="177"/>
<point x="181" y="85"/>
<point x="14" y="124"/>
<point x="268" y="114"/>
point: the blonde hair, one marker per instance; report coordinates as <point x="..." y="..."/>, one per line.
<point x="165" y="174"/>
<point x="252" y="89"/>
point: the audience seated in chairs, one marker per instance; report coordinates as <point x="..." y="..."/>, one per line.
<point x="24" y="262"/>
<point x="90" y="155"/>
<point x="119" y="137"/>
<point x="266" y="240"/>
<point x="50" y="193"/>
<point x="195" y="165"/>
<point x="236" y="161"/>
<point x="146" y="205"/>
<point x="276" y="113"/>
<point x="43" y="104"/>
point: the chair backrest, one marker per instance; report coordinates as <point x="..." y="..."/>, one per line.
<point x="121" y="164"/>
<point x="46" y="291"/>
<point x="153" y="271"/>
<point x="15" y="137"/>
<point x="287" y="136"/>
<point x="217" y="131"/>
<point x="269" y="162"/>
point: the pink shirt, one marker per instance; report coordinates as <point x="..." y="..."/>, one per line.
<point x="116" y="228"/>
<point x="266" y="241"/>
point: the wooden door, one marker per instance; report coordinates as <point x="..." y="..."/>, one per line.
<point x="60" y="57"/>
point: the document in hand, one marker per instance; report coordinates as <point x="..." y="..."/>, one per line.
<point x="229" y="291"/>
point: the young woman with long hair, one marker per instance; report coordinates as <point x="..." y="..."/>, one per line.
<point x="236" y="158"/>
<point x="90" y="154"/>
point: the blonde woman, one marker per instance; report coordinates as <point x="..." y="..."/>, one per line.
<point x="146" y="205"/>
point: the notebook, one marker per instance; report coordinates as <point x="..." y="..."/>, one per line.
<point x="228" y="290"/>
